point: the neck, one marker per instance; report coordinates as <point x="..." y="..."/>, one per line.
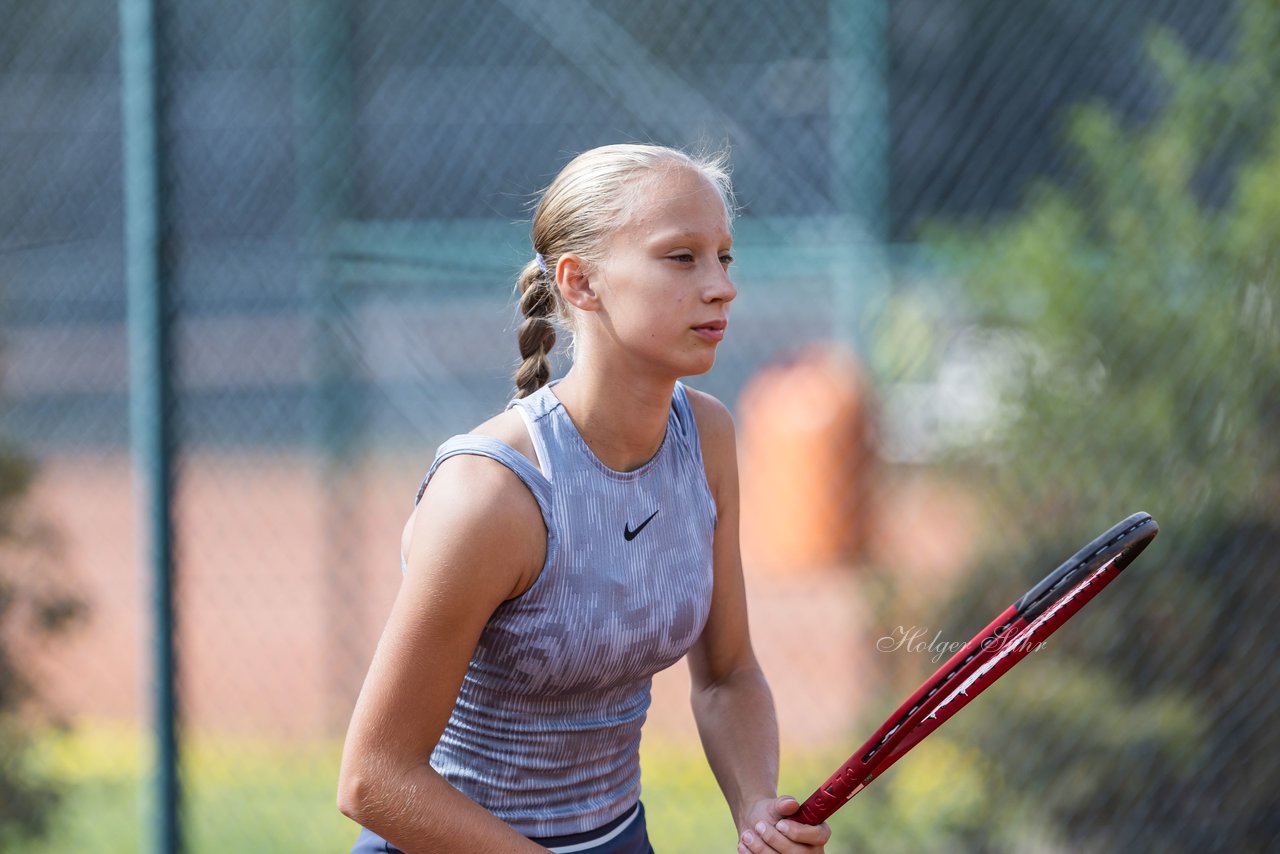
<point x="622" y="422"/>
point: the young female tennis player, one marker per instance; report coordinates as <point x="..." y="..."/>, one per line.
<point x="566" y="550"/>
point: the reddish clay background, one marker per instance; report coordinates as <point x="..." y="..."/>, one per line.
<point x="286" y="574"/>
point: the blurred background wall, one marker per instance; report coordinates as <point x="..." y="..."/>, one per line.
<point x="1012" y="265"/>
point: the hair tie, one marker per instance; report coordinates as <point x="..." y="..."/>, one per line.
<point x="542" y="262"/>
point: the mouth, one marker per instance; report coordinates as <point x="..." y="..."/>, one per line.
<point x="712" y="330"/>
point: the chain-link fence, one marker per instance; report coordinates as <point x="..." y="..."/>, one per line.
<point x="1029" y="248"/>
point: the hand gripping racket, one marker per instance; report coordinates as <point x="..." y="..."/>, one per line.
<point x="1022" y="627"/>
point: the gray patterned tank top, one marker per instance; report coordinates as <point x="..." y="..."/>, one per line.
<point x="546" y="729"/>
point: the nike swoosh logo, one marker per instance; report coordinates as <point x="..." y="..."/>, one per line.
<point x="629" y="534"/>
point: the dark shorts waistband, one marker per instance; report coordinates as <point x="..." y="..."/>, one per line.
<point x="596" y="840"/>
<point x="626" y="834"/>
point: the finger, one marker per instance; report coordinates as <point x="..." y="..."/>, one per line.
<point x="753" y="840"/>
<point x="774" y="840"/>
<point x="786" y="805"/>
<point x="804" y="834"/>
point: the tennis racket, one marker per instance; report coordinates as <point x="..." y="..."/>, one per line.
<point x="1021" y="628"/>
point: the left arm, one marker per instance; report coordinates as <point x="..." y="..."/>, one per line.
<point x="731" y="699"/>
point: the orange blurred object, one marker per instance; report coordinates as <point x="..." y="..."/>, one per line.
<point x="806" y="454"/>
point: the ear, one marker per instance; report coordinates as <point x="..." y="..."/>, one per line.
<point x="575" y="283"/>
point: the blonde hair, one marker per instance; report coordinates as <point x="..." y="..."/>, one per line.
<point x="577" y="213"/>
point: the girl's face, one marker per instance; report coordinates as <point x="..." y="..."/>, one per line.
<point x="663" y="285"/>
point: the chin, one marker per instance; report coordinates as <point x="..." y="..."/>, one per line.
<point x="682" y="363"/>
<point x="695" y="367"/>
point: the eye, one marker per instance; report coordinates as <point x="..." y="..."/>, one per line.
<point x="725" y="259"/>
<point x="682" y="257"/>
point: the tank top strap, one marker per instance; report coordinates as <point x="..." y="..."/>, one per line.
<point x="538" y="404"/>
<point x="534" y="409"/>
<point x="518" y="463"/>
<point x="685" y="423"/>
<point x="494" y="449"/>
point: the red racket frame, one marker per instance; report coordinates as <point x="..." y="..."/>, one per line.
<point x="1021" y="628"/>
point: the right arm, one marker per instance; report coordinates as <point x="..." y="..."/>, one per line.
<point x="477" y="539"/>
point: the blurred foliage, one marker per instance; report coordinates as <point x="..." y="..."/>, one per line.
<point x="1138" y="311"/>
<point x="921" y="809"/>
<point x="105" y="768"/>
<point x="35" y="605"/>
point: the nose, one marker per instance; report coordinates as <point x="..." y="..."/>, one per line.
<point x="721" y="288"/>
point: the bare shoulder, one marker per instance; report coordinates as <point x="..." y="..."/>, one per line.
<point x="468" y="489"/>
<point x="716" y="434"/>
<point x="471" y="484"/>
<point x="715" y="421"/>
<point x="476" y="512"/>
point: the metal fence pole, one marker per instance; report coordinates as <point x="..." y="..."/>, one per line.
<point x="322" y="90"/>
<point x="151" y="394"/>
<point x="859" y="108"/>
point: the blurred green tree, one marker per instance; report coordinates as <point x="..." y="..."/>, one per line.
<point x="1138" y="308"/>
<point x="35" y="606"/>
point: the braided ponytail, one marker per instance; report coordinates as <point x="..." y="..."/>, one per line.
<point x="537" y="332"/>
